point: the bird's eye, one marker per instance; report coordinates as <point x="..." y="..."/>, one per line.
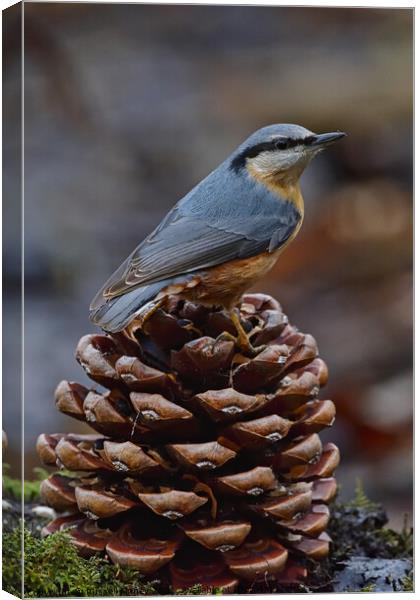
<point x="280" y="144"/>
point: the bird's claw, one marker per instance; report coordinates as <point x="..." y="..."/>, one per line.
<point x="242" y="343"/>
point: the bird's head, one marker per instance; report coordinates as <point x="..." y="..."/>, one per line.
<point x="278" y="154"/>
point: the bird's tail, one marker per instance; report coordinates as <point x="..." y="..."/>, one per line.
<point x="116" y="313"/>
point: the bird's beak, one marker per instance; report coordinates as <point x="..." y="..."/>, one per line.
<point x="325" y="139"/>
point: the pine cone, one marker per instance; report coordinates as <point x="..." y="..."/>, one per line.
<point x="206" y="464"/>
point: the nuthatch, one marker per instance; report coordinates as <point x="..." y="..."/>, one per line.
<point x="224" y="235"/>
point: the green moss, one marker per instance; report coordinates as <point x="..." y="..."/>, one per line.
<point x="198" y="590"/>
<point x="359" y="528"/>
<point x="12" y="562"/>
<point x="360" y="499"/>
<point x="54" y="568"/>
<point x="399" y="544"/>
<point x="12" y="488"/>
<point x="369" y="587"/>
<point x="408" y="583"/>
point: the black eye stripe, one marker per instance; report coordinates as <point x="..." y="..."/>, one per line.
<point x="276" y="144"/>
<point x="282" y="144"/>
<point x="286" y="143"/>
<point x="309" y="139"/>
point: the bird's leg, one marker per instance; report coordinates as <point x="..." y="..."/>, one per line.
<point x="242" y="340"/>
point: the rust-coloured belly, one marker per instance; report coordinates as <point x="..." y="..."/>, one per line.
<point x="224" y="284"/>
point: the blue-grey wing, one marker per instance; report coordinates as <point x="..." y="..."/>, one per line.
<point x="192" y="239"/>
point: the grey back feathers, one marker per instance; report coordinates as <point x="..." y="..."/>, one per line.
<point x="228" y="215"/>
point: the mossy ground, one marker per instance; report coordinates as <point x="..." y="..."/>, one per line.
<point x="53" y="567"/>
<point x="358" y="529"/>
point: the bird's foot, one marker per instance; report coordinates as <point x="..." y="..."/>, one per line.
<point x="244" y="345"/>
<point x="242" y="340"/>
<point x="248" y="349"/>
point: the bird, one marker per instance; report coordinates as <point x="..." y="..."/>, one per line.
<point x="221" y="237"/>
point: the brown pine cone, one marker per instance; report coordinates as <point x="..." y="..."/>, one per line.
<point x="206" y="466"/>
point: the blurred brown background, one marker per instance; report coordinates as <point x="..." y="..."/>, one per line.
<point x="128" y="106"/>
